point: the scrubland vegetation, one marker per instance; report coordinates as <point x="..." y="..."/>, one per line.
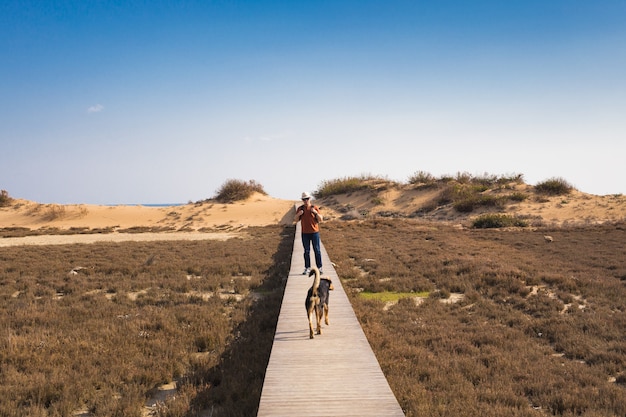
<point x="419" y="179"/>
<point x="474" y="322"/>
<point x="539" y="329"/>
<point x="99" y="327"/>
<point x="465" y="193"/>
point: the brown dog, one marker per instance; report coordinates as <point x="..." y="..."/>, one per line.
<point x="317" y="300"/>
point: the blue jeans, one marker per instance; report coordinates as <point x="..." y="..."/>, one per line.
<point x="307" y="240"/>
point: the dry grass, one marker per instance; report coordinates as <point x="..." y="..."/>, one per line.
<point x="540" y="330"/>
<point x="133" y="316"/>
<point x="348" y="185"/>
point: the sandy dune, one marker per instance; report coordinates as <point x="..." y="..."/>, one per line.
<point x="258" y="210"/>
<point x="577" y="208"/>
<point x="213" y="220"/>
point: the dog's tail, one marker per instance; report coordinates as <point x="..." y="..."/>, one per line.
<point x="316" y="281"/>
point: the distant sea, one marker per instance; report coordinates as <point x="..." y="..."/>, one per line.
<point x="148" y="205"/>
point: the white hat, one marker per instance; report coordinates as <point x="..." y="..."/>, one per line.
<point x="305" y="195"/>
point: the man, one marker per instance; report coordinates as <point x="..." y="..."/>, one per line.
<point x="310" y="218"/>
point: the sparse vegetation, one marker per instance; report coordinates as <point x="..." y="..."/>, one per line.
<point x="387" y="296"/>
<point x="554" y="186"/>
<point x="238" y="190"/>
<point x="133" y="316"/>
<point x="464" y="192"/>
<point x="5" y="199"/>
<point x="491" y="221"/>
<point x="346" y="185"/>
<point x="25" y="231"/>
<point x="539" y="330"/>
<point x="422" y="178"/>
<point x="54" y="212"/>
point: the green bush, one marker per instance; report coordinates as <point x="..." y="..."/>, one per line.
<point x="490" y="221"/>
<point x="554" y="186"/>
<point x="238" y="190"/>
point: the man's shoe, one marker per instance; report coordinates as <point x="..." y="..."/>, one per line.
<point x="306" y="271"/>
<point x="321" y="272"/>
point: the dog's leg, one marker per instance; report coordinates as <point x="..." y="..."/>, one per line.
<point x="310" y="315"/>
<point x="318" y="314"/>
<point x="326" y="314"/>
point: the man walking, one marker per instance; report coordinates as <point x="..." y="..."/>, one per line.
<point x="310" y="218"/>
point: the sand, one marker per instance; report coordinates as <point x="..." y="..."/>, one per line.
<point x="576" y="208"/>
<point x="213" y="220"/>
<point x="193" y="221"/>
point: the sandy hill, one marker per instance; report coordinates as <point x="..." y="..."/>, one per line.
<point x="257" y="210"/>
<point x="387" y="199"/>
<point x="378" y="198"/>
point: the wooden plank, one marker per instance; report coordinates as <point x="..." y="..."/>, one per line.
<point x="335" y="374"/>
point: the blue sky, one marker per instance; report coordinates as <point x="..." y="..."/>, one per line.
<point x="114" y="102"/>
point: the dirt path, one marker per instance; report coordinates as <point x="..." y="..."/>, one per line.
<point x="113" y="237"/>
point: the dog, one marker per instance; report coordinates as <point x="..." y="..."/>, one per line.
<point x="317" y="301"/>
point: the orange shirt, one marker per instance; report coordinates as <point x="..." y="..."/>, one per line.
<point x="309" y="222"/>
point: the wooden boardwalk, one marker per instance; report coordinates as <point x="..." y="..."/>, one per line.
<point x="335" y="374"/>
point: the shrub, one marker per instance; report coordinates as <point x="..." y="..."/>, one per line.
<point x="554" y="186"/>
<point x="344" y="185"/>
<point x="519" y="197"/>
<point x="463" y="177"/>
<point x="238" y="190"/>
<point x="421" y="177"/>
<point x="467" y="205"/>
<point x="5" y="199"/>
<point x="54" y="212"/>
<point x="489" y="221"/>
<point x="446" y="195"/>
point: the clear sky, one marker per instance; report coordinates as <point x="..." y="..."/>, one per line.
<point x="120" y="102"/>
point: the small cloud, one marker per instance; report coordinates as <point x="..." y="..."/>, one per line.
<point x="95" y="109"/>
<point x="266" y="138"/>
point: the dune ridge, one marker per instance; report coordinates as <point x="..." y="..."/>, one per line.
<point x="212" y="219"/>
